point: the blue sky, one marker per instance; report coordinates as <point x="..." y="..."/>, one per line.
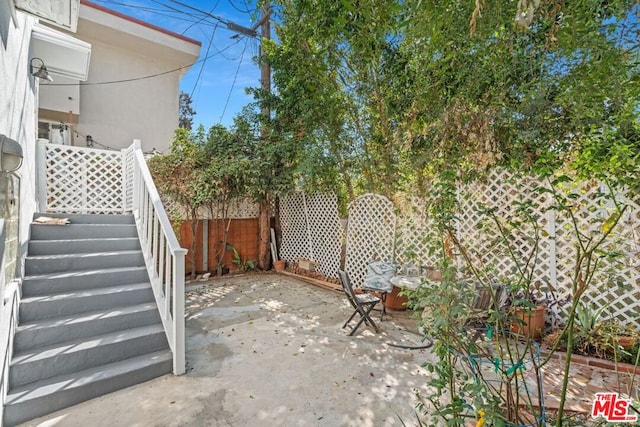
<point x="217" y="84"/>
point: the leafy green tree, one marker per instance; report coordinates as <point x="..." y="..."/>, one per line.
<point x="178" y="177"/>
<point x="331" y="78"/>
<point x="493" y="86"/>
<point x="388" y="93"/>
<point x="272" y="168"/>
<point x="384" y="95"/>
<point x="227" y="171"/>
<point x="185" y="111"/>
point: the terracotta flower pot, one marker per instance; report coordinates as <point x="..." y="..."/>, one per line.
<point x="395" y="301"/>
<point x="528" y="321"/>
<point x="627" y="342"/>
<point x="279" y="265"/>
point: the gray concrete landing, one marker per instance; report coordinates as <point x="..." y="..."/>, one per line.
<point x="268" y="350"/>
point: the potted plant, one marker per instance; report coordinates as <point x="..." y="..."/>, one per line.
<point x="279" y="265"/>
<point x="528" y="321"/>
<point x="530" y="308"/>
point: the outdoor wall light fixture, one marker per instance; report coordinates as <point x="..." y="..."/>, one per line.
<point x="10" y="155"/>
<point x="40" y="71"/>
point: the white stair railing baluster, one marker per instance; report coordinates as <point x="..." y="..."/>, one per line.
<point x="179" y="357"/>
<point x="164" y="258"/>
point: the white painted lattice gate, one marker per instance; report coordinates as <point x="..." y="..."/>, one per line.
<point x="84" y="180"/>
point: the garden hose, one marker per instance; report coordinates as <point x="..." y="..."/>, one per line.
<point x="427" y="344"/>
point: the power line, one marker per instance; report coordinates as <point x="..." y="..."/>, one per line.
<point x="202" y="19"/>
<point x="198" y="17"/>
<point x="240" y="29"/>
<point x="176" y="10"/>
<point x="213" y="33"/>
<point x="193" y="17"/>
<point x="235" y="78"/>
<point x="221" y="53"/>
<point x="172" y="13"/>
<point x="233" y="5"/>
<point x="148" y="76"/>
<point x="89" y="140"/>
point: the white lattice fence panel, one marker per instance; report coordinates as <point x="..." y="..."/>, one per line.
<point x="244" y="208"/>
<point x="479" y="230"/>
<point x="174" y="211"/>
<point x="325" y="232"/>
<point x="631" y="270"/>
<point x="296" y="242"/>
<point x="238" y="208"/>
<point x="83" y="180"/>
<point x="415" y="234"/>
<point x="617" y="281"/>
<point x="370" y="234"/>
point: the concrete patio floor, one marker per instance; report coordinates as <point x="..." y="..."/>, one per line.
<point x="265" y="349"/>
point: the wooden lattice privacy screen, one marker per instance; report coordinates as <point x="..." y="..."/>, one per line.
<point x="370" y="234"/>
<point x="401" y="231"/>
<point x="311" y="229"/>
<point x="477" y="232"/>
<point x="617" y="283"/>
<point x="82" y="180"/>
<point x="238" y="208"/>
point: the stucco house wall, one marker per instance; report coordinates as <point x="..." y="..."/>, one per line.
<point x="18" y="94"/>
<point x="142" y="101"/>
<point x="114" y="114"/>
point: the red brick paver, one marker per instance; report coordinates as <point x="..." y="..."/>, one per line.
<point x="587" y="376"/>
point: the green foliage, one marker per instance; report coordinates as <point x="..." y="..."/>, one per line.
<point x="177" y="174"/>
<point x="460" y="388"/>
<point x="605" y="340"/>
<point x="500" y="233"/>
<point x="185" y="111"/>
<point x="508" y="94"/>
<point x="599" y="337"/>
<point x="383" y="95"/>
<point x="587" y="318"/>
<point x="271" y="154"/>
<point x="241" y="263"/>
<point x="331" y="75"/>
<point x="205" y="170"/>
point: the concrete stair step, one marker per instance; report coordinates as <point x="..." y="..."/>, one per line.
<point x="85" y="353"/>
<point x="70" y="281"/>
<point x="82" y="231"/>
<point x="41" y="333"/>
<point x="80" y="246"/>
<point x="44" y="264"/>
<point x="67" y="303"/>
<point x="91" y="218"/>
<point x="89" y="324"/>
<point x="46" y="396"/>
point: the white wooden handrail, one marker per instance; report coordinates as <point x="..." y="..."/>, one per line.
<point x="163" y="255"/>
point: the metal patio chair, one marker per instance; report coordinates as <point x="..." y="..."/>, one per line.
<point x="362" y="304"/>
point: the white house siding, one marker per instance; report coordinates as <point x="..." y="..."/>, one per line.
<point x="18" y="106"/>
<point x="145" y="108"/>
<point x="116" y="114"/>
<point x="62" y="95"/>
